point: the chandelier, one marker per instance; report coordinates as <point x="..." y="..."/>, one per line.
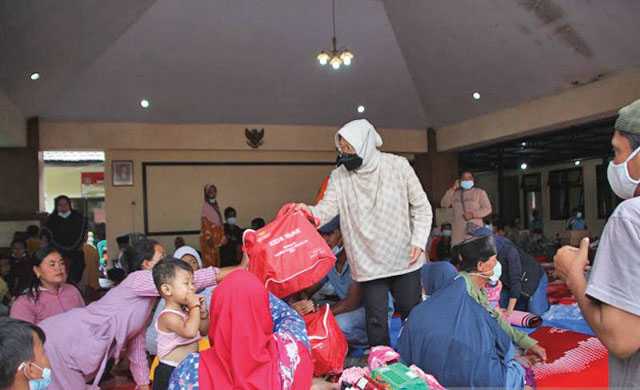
<point x="334" y="57"/>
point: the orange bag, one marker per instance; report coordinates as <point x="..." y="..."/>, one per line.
<point x="322" y="190"/>
<point x="288" y="254"/>
<point x="328" y="344"/>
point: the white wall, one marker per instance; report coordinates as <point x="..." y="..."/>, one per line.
<point x="65" y="180"/>
<point x="8" y="228"/>
<point x="489" y="182"/>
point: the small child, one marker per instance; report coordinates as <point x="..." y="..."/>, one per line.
<point x="183" y="320"/>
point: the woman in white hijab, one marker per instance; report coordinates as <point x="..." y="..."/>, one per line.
<point x="385" y="218"/>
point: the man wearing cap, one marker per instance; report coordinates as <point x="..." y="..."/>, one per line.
<point x="339" y="290"/>
<point x="610" y="299"/>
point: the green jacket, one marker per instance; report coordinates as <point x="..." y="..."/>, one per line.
<point x="522" y="340"/>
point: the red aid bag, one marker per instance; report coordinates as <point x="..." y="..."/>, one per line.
<point x="328" y="344"/>
<point x="288" y="254"/>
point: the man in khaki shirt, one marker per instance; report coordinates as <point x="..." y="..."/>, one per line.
<point x="470" y="205"/>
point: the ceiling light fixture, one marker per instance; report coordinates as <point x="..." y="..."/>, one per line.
<point x="361" y="109"/>
<point x="144" y="103"/>
<point x="523" y="144"/>
<point x="523" y="166"/>
<point x="336" y="58"/>
<point x="476" y="95"/>
<point x="577" y="162"/>
<point x="35" y="76"/>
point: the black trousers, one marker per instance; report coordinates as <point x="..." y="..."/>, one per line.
<point x="406" y="292"/>
<point x="162" y="376"/>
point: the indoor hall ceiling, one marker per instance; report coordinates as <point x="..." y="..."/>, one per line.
<point x="417" y="62"/>
<point x="570" y="144"/>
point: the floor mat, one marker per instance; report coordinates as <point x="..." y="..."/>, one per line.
<point x="573" y="360"/>
<point x="558" y="292"/>
<point x="567" y="317"/>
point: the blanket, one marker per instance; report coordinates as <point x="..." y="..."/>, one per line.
<point x="573" y="360"/>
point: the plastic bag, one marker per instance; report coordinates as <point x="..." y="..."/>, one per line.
<point x="288" y="255"/>
<point x="328" y="344"/>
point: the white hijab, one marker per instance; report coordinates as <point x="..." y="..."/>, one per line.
<point x="365" y="140"/>
<point x="364" y="183"/>
<point x="187" y="250"/>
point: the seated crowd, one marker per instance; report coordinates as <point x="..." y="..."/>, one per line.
<point x="199" y="319"/>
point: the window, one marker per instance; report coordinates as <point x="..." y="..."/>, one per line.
<point x="607" y="200"/>
<point x="566" y="193"/>
<point x="532" y="191"/>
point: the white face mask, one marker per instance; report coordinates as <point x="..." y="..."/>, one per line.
<point x="446" y="233"/>
<point x="65" y="215"/>
<point x="619" y="179"/>
<point x="337" y="249"/>
<point x="231" y="221"/>
<point x="579" y="215"/>
<point x="212" y="200"/>
<point x="497" y="273"/>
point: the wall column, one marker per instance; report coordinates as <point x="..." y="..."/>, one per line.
<point x="436" y="170"/>
<point x="19" y="175"/>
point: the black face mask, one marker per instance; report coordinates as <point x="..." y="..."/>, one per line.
<point x="350" y="161"/>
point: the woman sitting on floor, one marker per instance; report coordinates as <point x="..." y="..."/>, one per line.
<point x="437" y="275"/>
<point x="458" y="337"/>
<point x="258" y="342"/>
<point x="81" y="341"/>
<point x="49" y="294"/>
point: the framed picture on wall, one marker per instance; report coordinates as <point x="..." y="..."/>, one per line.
<point x="122" y="173"/>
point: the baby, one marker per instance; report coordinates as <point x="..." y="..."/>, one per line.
<point x="183" y="320"/>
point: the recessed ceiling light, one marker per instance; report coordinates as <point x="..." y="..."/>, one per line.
<point x="144" y="103"/>
<point x="577" y="162"/>
<point x="523" y="166"/>
<point x="34" y="76"/>
<point x="476" y="95"/>
<point x="361" y="109"/>
<point x="523" y="144"/>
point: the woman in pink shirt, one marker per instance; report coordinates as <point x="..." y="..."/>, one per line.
<point x="49" y="294"/>
<point x="81" y="341"/>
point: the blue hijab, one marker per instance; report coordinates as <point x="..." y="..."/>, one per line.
<point x="456" y="340"/>
<point x="437" y="275"/>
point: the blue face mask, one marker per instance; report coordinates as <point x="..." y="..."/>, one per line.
<point x="42" y="383"/>
<point x="231" y="221"/>
<point x="466" y="184"/>
<point x="337" y="249"/>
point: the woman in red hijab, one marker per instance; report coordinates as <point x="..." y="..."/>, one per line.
<point x="257" y="343"/>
